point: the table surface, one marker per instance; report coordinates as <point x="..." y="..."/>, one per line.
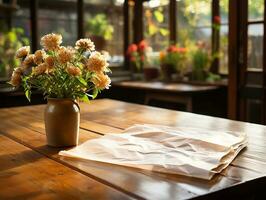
<point x="31" y="170"/>
<point x="166" y="87"/>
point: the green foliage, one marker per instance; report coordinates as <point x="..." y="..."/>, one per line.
<point x="255" y="9"/>
<point x="201" y="60"/>
<point x="159" y="16"/>
<point x="154" y="19"/>
<point x="99" y="26"/>
<point x="9" y="42"/>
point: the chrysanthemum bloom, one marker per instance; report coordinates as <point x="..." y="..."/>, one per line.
<point x="96" y="63"/>
<point x="65" y="54"/>
<point x="39" y="56"/>
<point x="16" y="77"/>
<point x="85" y="45"/>
<point x="28" y="62"/>
<point x="51" y="42"/>
<point x="40" y="69"/>
<point x="74" y="71"/>
<point x="23" y="52"/>
<point x="101" y="81"/>
<point x="50" y="61"/>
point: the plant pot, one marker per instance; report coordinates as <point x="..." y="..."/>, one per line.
<point x="62" y="117"/>
<point x="198" y="75"/>
<point x="150" y="73"/>
<point x="99" y="42"/>
<point x="167" y="71"/>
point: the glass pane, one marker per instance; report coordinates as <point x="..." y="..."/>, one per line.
<point x="11" y="40"/>
<point x="255" y="46"/>
<point x="193" y="13"/>
<point x="104" y="25"/>
<point x="156" y="23"/>
<point x="255" y="9"/>
<point x="192" y="35"/>
<point x="224" y="10"/>
<point x="57" y="19"/>
<point x="224" y="50"/>
<point x="194" y="22"/>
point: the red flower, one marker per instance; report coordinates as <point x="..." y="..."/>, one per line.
<point x="181" y="50"/>
<point x="172" y="48"/>
<point x="132" y="48"/>
<point x="142" y="58"/>
<point x="142" y="45"/>
<point x="217" y="19"/>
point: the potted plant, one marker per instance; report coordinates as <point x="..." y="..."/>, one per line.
<point x="9" y="42"/>
<point x="173" y="60"/>
<point x="200" y="64"/>
<point x="99" y="30"/>
<point x="137" y="58"/>
<point x="65" y="75"/>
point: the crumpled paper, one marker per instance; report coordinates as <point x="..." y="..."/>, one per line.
<point x="185" y="151"/>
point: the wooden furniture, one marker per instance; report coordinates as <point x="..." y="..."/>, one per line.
<point x="31" y="170"/>
<point x="203" y="99"/>
<point x="247" y="80"/>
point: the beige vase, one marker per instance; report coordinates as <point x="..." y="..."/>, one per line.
<point x="62" y="117"/>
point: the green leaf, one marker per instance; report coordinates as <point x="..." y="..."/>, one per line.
<point x="164" y="32"/>
<point x="152" y="29"/>
<point x="159" y="16"/>
<point x="28" y="94"/>
<point x="82" y="81"/>
<point x="95" y="93"/>
<point x="84" y="98"/>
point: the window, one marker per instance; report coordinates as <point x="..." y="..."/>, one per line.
<point x="156" y="23"/>
<point x="103" y="24"/>
<point x="224" y="30"/>
<point x="58" y="17"/>
<point x="255" y="34"/>
<point x="194" y="21"/>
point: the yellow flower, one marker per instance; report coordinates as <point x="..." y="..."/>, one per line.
<point x="65" y="54"/>
<point x="40" y="69"/>
<point x="85" y="44"/>
<point x="101" y="81"/>
<point x="74" y="71"/>
<point x="28" y="62"/>
<point x="96" y="63"/>
<point x="39" y="56"/>
<point x="50" y="61"/>
<point x="23" y="52"/>
<point x="16" y="77"/>
<point x="51" y="42"/>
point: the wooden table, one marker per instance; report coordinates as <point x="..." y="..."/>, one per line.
<point x="31" y="170"/>
<point x="196" y="98"/>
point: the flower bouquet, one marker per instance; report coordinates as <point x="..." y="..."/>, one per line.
<point x="65" y="75"/>
<point x="137" y="55"/>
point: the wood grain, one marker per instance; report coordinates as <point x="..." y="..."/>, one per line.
<point x="26" y="174"/>
<point x="25" y="126"/>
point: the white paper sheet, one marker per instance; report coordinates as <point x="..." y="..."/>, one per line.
<point x="176" y="150"/>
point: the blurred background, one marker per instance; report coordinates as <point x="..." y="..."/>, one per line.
<point x="201" y="56"/>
